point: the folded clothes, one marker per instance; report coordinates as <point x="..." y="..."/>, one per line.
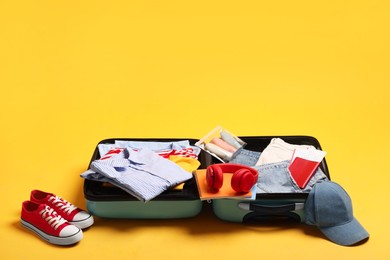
<point x="188" y="164"/>
<point x="278" y="151"/>
<point x="164" y="149"/>
<point x="224" y="145"/>
<point x="142" y="173"/>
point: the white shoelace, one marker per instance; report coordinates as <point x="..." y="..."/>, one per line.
<point x="52" y="217"/>
<point x="62" y="204"/>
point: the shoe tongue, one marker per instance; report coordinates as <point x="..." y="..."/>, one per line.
<point x="41" y="207"/>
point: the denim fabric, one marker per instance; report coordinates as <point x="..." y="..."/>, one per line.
<point x="329" y="207"/>
<point x="276" y="178"/>
<point x="246" y="157"/>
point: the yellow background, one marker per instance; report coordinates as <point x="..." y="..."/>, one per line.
<point x="75" y="72"/>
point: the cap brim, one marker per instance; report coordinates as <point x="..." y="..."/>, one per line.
<point x="346" y="234"/>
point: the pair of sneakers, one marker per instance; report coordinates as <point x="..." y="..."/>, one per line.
<point x="54" y="219"/>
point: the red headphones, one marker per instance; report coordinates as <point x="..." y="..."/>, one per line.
<point x="243" y="179"/>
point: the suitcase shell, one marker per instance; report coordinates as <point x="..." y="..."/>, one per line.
<point x="107" y="201"/>
<point x="267" y="205"/>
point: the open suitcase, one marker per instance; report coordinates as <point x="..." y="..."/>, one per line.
<point x="111" y="202"/>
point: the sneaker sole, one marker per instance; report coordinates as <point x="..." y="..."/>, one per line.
<point x="85" y="223"/>
<point x="63" y="241"/>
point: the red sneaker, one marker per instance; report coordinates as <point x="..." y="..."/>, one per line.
<point x="45" y="222"/>
<point x="71" y="213"/>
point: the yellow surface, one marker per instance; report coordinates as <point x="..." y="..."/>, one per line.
<point x="75" y="72"/>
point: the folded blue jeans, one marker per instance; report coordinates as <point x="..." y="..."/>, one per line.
<point x="276" y="178"/>
<point x="246" y="157"/>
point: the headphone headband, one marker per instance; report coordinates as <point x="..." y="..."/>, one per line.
<point x="233" y="167"/>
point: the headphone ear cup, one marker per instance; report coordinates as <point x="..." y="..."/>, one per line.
<point x="243" y="180"/>
<point x="214" y="177"/>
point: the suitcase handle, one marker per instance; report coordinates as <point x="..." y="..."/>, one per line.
<point x="271" y="209"/>
<point x="256" y="217"/>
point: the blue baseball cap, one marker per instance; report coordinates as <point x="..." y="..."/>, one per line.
<point x="329" y="207"/>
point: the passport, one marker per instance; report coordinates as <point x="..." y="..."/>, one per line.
<point x="304" y="164"/>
